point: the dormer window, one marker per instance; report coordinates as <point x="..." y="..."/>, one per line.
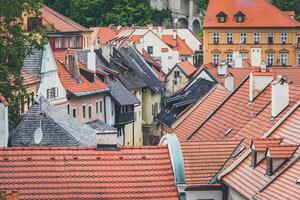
<point x="239" y="17"/>
<point x="221" y="17"/>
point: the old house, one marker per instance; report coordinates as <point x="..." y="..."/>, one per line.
<point x="245" y="27"/>
<point x="179" y="76"/>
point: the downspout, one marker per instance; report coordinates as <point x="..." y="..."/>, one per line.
<point x="104" y="102"/>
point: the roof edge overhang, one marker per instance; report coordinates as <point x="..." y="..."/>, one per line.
<point x="91" y="92"/>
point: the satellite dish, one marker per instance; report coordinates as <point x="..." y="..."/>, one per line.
<point x="38" y="135"/>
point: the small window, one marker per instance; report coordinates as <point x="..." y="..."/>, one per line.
<point x="90" y="112"/>
<point x="229" y="38"/>
<point x="298" y="39"/>
<point x="34" y="23"/>
<point x="97" y="107"/>
<point x="229" y="57"/>
<point x="216" y="58"/>
<point x="216" y="38"/>
<point x="83" y="111"/>
<point x="101" y="107"/>
<point x="256" y="38"/>
<point x="270" y="38"/>
<point x="240" y="17"/>
<point x="283" y="38"/>
<point x="270" y="59"/>
<point x="74" y="112"/>
<point x="222" y="17"/>
<point x="150" y="49"/>
<point x="244" y="55"/>
<point x="283" y="59"/>
<point x="52" y="93"/>
<point x="243" y="38"/>
<point x="68" y="109"/>
<point x="176" y="74"/>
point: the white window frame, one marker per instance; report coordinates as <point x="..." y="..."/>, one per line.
<point x="284" y="57"/>
<point x="216" y="58"/>
<point x="284" y="38"/>
<point x="298" y="58"/>
<point x="244" y="55"/>
<point x="256" y="38"/>
<point x="229" y="57"/>
<point x="270" y="58"/>
<point x="243" y="38"/>
<point x="216" y="38"/>
<point x="229" y="38"/>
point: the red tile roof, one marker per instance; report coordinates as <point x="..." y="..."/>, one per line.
<point x="9" y="195"/>
<point x="70" y="83"/>
<point x="105" y="34"/>
<point x="199" y="112"/>
<point x="156" y="67"/>
<point x="178" y="43"/>
<point x="60" y="22"/>
<point x="254" y="11"/>
<point x="3" y="100"/>
<point x="203" y="160"/>
<point x="187" y="68"/>
<point x="282" y="151"/>
<point x="263" y="144"/>
<point x="85" y="173"/>
<point x="28" y="78"/>
<point x="283" y="186"/>
<point x="237" y="118"/>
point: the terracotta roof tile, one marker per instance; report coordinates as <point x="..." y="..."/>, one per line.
<point x="254" y="11"/>
<point x="282" y="151"/>
<point x="187" y="67"/>
<point x="204" y="159"/>
<point x="263" y="144"/>
<point x="3" y="100"/>
<point x="59" y="22"/>
<point x="105" y="34"/>
<point x="70" y="83"/>
<point x="199" y="112"/>
<point x="28" y="78"/>
<point x="84" y="173"/>
<point x="178" y="43"/>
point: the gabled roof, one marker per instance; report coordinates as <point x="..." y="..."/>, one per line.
<point x="257" y="14"/>
<point x="60" y="22"/>
<point x="187" y="68"/>
<point x="33" y="61"/>
<point x="58" y="128"/>
<point x="203" y="160"/>
<point x="85" y="173"/>
<point x="3" y="100"/>
<point x="180" y="102"/>
<point x="198" y="113"/>
<point x="29" y="79"/>
<point x="105" y="34"/>
<point x="77" y="87"/>
<point x="177" y="44"/>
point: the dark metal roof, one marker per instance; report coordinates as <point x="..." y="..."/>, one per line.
<point x="176" y="104"/>
<point x="33" y="61"/>
<point x="101" y="126"/>
<point x="58" y="128"/>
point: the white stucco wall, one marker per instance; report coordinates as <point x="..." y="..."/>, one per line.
<point x="190" y="39"/>
<point x="3" y="125"/>
<point x="234" y="195"/>
<point x="109" y="110"/>
<point x="199" y="195"/>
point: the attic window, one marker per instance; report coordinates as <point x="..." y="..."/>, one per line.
<point x="239" y="17"/>
<point x="221" y="17"/>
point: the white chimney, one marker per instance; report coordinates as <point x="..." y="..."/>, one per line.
<point x="237" y="59"/>
<point x="263" y="67"/>
<point x="91" y="59"/>
<point x="255" y="57"/>
<point x="159" y="31"/>
<point x="3" y="122"/>
<point x="280" y="95"/>
<point x="229" y="82"/>
<point x="258" y="82"/>
<point x="107" y="140"/>
<point x="174" y="34"/>
<point x="222" y="68"/>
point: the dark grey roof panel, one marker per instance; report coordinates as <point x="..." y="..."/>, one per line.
<point x="33" y="61"/>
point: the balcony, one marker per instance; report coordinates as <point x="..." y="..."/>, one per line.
<point x="124" y="115"/>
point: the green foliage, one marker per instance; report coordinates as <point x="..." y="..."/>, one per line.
<point x="202" y="5"/>
<point x="103" y="13"/>
<point x="13" y="42"/>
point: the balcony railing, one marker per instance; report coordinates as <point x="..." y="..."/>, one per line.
<point x="124" y="118"/>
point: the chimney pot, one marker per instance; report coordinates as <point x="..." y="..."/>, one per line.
<point x="71" y="63"/>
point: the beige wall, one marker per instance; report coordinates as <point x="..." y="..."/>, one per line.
<point x="223" y="47"/>
<point x="149" y="100"/>
<point x="90" y="100"/>
<point x="234" y="195"/>
<point x="181" y="82"/>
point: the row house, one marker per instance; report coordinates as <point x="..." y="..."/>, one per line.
<point x="235" y="26"/>
<point x="142" y="80"/>
<point x="62" y="32"/>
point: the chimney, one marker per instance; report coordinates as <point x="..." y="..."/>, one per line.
<point x="174" y="34"/>
<point x="107" y="140"/>
<point x="71" y="63"/>
<point x="222" y="69"/>
<point x="91" y="59"/>
<point x="159" y="31"/>
<point x="229" y="82"/>
<point x="280" y="95"/>
<point x="238" y="60"/>
<point x="255" y="57"/>
<point x="258" y="81"/>
<point x="263" y="67"/>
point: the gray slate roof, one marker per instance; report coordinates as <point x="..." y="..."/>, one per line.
<point x="33" y="61"/>
<point x="117" y="90"/>
<point x="101" y="126"/>
<point x="59" y="128"/>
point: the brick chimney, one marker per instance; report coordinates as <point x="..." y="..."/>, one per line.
<point x="280" y="95"/>
<point x="91" y="59"/>
<point x="258" y="81"/>
<point x="71" y="63"/>
<point x="107" y="140"/>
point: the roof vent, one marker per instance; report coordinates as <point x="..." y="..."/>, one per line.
<point x="298" y="181"/>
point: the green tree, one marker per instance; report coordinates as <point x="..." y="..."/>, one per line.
<point x="13" y="42"/>
<point x="290" y="5"/>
